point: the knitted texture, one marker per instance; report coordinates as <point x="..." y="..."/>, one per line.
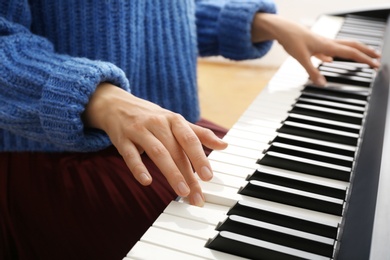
<point x="54" y="53"/>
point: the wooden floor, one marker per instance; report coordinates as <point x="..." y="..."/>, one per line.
<point x="227" y="89"/>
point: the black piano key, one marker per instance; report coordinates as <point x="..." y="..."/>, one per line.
<point x="311" y="156"/>
<point x="314" y="146"/>
<point x="359" y="21"/>
<point x="245" y="209"/>
<point x="330" y="104"/>
<point x="346" y="79"/>
<point x="326" y="115"/>
<point x="358" y="72"/>
<point x="302" y="167"/>
<point x="368" y="31"/>
<point x="274" y="234"/>
<point x="319" y="135"/>
<point x="250" y="248"/>
<point x="355" y="102"/>
<point x="339" y="59"/>
<point x="350" y="66"/>
<point x="349" y="102"/>
<point x="325" y="125"/>
<point x="373" y="42"/>
<point x="261" y="190"/>
<point x="334" y="93"/>
<point x="298" y="184"/>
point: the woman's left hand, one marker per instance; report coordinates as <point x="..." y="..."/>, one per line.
<point x="301" y="43"/>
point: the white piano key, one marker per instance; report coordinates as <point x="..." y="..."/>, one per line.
<point x="328" y="25"/>
<point x="147" y="251"/>
<point x="268" y="113"/>
<point x="228" y="180"/>
<point x="206" y="214"/>
<point x="245" y="152"/>
<point x="232" y="169"/>
<point x="246" y="135"/>
<point x="236" y="178"/>
<point x="251" y="144"/>
<point x="271" y="246"/>
<point x="183" y="243"/>
<point x="233" y="159"/>
<point x="185" y="226"/>
<point x="284" y="230"/>
<point x="275" y="100"/>
<point x="213" y="217"/>
<point x="258" y="125"/>
<point x="227" y="196"/>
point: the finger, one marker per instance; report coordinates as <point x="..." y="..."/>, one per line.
<point x="208" y="138"/>
<point x="182" y="161"/>
<point x="361" y="47"/>
<point x="163" y="160"/>
<point x="132" y="158"/>
<point x="324" y="58"/>
<point x="314" y="74"/>
<point x="192" y="147"/>
<point x="354" y="51"/>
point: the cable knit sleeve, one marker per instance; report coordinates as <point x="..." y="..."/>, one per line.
<point x="43" y="94"/>
<point x="224" y="28"/>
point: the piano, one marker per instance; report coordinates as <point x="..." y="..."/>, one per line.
<point x="306" y="174"/>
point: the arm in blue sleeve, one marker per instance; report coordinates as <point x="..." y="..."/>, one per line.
<point x="43" y="94"/>
<point x="224" y="28"/>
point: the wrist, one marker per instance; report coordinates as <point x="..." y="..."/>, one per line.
<point x="267" y="26"/>
<point x="96" y="108"/>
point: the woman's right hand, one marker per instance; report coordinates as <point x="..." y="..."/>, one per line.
<point x="135" y="126"/>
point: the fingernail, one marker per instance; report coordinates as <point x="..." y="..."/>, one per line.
<point x="198" y="200"/>
<point x="183" y="189"/>
<point x="145" y="178"/>
<point x="206" y="173"/>
<point x="321" y="82"/>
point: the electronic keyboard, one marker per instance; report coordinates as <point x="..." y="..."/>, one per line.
<point x="305" y="174"/>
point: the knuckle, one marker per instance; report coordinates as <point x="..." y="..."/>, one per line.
<point x="193" y="183"/>
<point x="156" y="119"/>
<point x="137" y="168"/>
<point x="133" y="161"/>
<point x="128" y="156"/>
<point x="157" y="151"/>
<point x="136" y="126"/>
<point x="176" y="118"/>
<point x="190" y="138"/>
<point x="208" y="132"/>
<point x="178" y="155"/>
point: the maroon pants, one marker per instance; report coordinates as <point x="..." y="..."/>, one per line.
<point x="76" y="205"/>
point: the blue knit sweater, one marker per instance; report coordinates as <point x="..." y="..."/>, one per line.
<point x="53" y="54"/>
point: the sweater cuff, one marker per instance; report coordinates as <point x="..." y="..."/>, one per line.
<point x="65" y="96"/>
<point x="235" y="25"/>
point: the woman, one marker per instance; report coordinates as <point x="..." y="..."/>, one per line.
<point x="100" y="125"/>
